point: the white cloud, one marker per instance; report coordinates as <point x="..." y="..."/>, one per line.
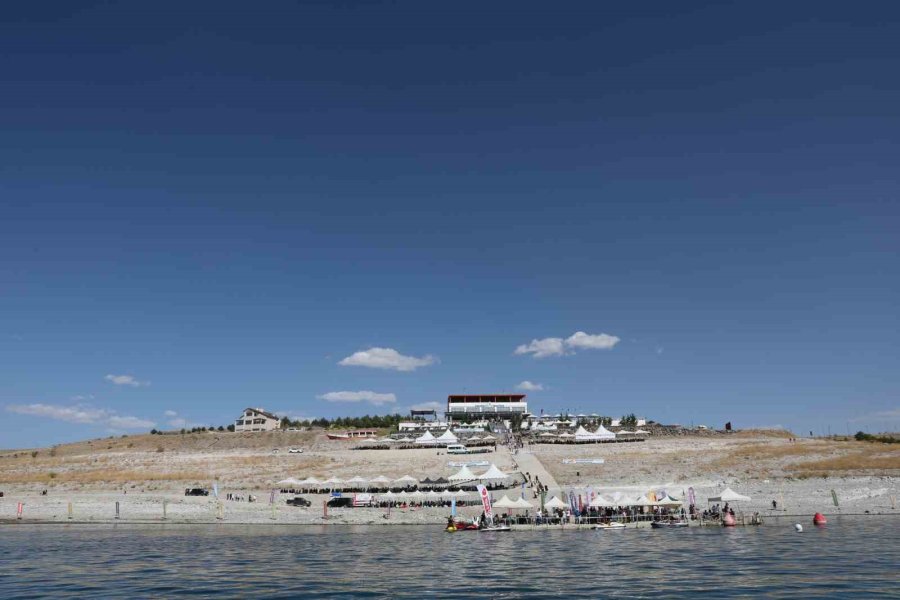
<point x="554" y="346"/>
<point x="585" y="341"/>
<point x="125" y="380"/>
<point x="87" y="415"/>
<point x="81" y="398"/>
<point x="386" y="358"/>
<point x="170" y="413"/>
<point x="360" y="396"/>
<point x="177" y="422"/>
<point x="529" y="386"/>
<point x="543" y="348"/>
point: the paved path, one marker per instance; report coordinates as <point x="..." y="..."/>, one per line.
<point x="530" y="463"/>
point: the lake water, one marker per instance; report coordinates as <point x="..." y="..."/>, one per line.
<point x="848" y="558"/>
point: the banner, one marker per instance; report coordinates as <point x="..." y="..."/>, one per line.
<point x="485" y="501"/>
<point x="216" y="489"/>
<point x="692" y="499"/>
<point x="572" y="503"/>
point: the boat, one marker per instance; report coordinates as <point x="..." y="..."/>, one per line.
<point x="495" y="528"/>
<point x="668" y="524"/>
<point x="613" y="525"/>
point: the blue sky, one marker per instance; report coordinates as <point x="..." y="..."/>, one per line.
<point x="206" y="208"/>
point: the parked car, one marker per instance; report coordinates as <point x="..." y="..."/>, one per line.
<point x="298" y="501"/>
<point x="295" y="451"/>
<point x="196" y="492"/>
<point x="341" y="502"/>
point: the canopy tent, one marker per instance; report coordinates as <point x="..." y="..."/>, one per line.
<point x="460" y="494"/>
<point x="641" y="500"/>
<point x="333" y="481"/>
<point x="566" y="434"/>
<point x="624" y="432"/>
<point x="426" y="439"/>
<point x="493" y="474"/>
<point x="310" y="481"/>
<point x="357" y="479"/>
<point x="547" y="435"/>
<point x="406" y="439"/>
<point x="417" y="495"/>
<point x="426" y="481"/>
<point x="729" y="495"/>
<point x="522" y="503"/>
<point x="464" y="474"/>
<point x="388" y="495"/>
<point x="504" y="502"/>
<point x="604" y="434"/>
<point x="473" y="438"/>
<point x="380" y="479"/>
<point x="447" y="438"/>
<point x="668" y="501"/>
<point x="601" y="502"/>
<point x="433" y="495"/>
<point x="641" y="432"/>
<point x="555" y="502"/>
<point x="289" y="481"/>
<point x="406" y="480"/>
<point x="488" y="438"/>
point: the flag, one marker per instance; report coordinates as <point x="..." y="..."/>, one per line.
<point x="692" y="499"/>
<point x="453" y="507"/>
<point x="485" y="500"/>
<point x="216" y="489"/>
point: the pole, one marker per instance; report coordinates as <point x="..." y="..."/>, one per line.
<point x="324" y="509"/>
<point x="165" y="504"/>
<point x="70" y="511"/>
<point x="117" y="509"/>
<point x="19" y="509"/>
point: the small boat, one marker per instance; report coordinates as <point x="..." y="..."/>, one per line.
<point x="495" y="528"/>
<point x="613" y="525"/>
<point x="668" y="524"/>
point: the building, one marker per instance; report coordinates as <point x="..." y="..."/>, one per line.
<point x="256" y="419"/>
<point x="469" y="407"/>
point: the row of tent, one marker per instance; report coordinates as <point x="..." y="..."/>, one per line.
<point x="428" y="439"/>
<point x="649" y="499"/>
<point x="464" y="475"/>
<point x="582" y="434"/>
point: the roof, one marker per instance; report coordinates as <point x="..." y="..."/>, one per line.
<point x="262" y="412"/>
<point x="485" y="397"/>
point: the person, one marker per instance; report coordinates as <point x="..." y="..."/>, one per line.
<point x="774" y="505"/>
<point x="450" y="522"/>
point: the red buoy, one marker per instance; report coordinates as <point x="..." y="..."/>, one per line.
<point x="819" y="519"/>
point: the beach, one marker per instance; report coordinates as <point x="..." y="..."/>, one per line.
<point x="142" y="473"/>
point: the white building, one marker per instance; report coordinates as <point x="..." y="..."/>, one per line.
<point x="468" y="407"/>
<point x="256" y="419"/>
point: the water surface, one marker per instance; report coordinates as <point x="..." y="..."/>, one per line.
<point x="848" y="558"/>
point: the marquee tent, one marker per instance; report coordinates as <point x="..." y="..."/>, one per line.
<point x="310" y="481"/>
<point x="522" y="503"/>
<point x="426" y="439"/>
<point x="493" y="474"/>
<point x="288" y="481"/>
<point x="729" y="495"/>
<point x="505" y="502"/>
<point x="604" y="434"/>
<point x="380" y="479"/>
<point x="406" y="480"/>
<point x="447" y="438"/>
<point x="464" y="474"/>
<point x="555" y="502"/>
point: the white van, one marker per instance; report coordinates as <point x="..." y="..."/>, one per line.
<point x="456" y="449"/>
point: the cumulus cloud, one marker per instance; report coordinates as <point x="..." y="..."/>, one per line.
<point x="529" y="386"/>
<point x="585" y="341"/>
<point x="81" y="398"/>
<point x="170" y="413"/>
<point x="361" y="396"/>
<point x="386" y="358"/>
<point x="554" y="346"/>
<point x="82" y="414"/>
<point x="543" y="348"/>
<point x="125" y="380"/>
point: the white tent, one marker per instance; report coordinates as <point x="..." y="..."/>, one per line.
<point x="357" y="479"/>
<point x="333" y="481"/>
<point x="446" y="438"/>
<point x="447" y="494"/>
<point x="641" y="500"/>
<point x="426" y="439"/>
<point x="403" y="495"/>
<point x="464" y="474"/>
<point x="310" y="481"/>
<point x="668" y="501"/>
<point x="288" y="481"/>
<point x="547" y="435"/>
<point x="604" y="434"/>
<point x="488" y="438"/>
<point x="460" y="494"/>
<point x="566" y="434"/>
<point x="380" y="479"/>
<point x="555" y="502"/>
<point x="729" y="495"/>
<point x="583" y="434"/>
<point x="406" y="480"/>
<point x="388" y="495"/>
<point x="601" y="502"/>
<point x="405" y="439"/>
<point x="504" y="502"/>
<point x="641" y="432"/>
<point x="522" y="503"/>
<point x="417" y="495"/>
<point x="624" y="432"/>
<point x="493" y="474"/>
<point x="473" y="438"/>
<point x="433" y="495"/>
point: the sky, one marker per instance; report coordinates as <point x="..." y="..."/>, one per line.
<point x="690" y="213"/>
